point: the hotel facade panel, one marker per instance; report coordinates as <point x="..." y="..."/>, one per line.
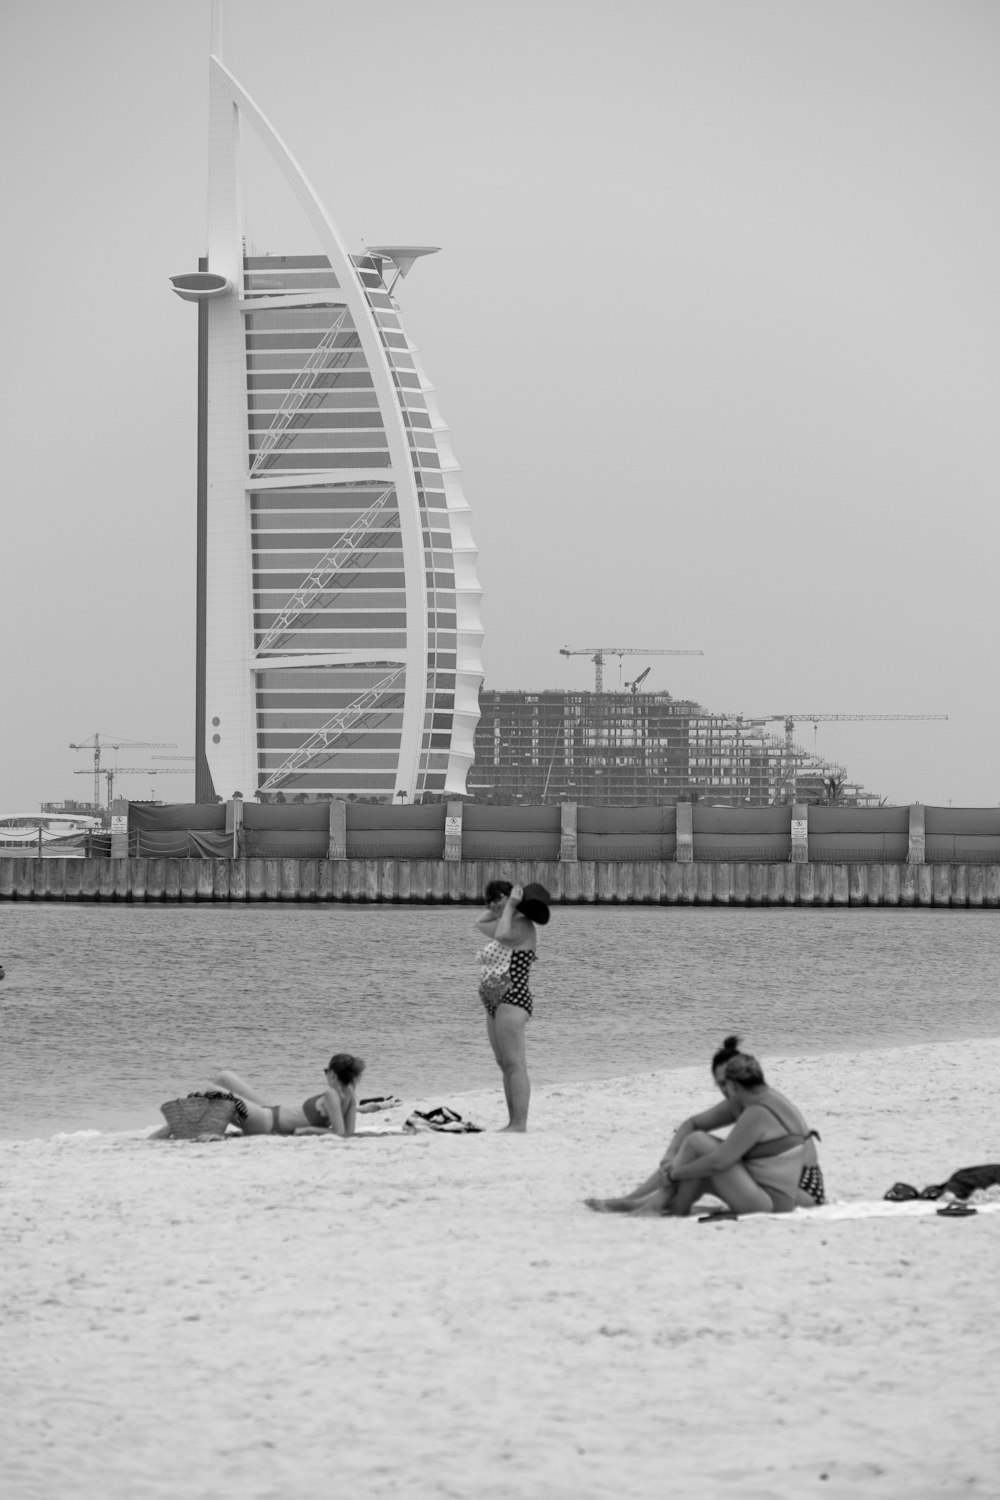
<point x="339" y="634"/>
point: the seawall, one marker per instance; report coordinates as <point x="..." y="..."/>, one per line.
<point x="441" y="881"/>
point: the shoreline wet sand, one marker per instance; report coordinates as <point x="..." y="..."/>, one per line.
<point x="124" y="1006"/>
<point x="440" y="1315"/>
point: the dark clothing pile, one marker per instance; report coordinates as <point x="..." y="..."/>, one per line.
<point x="961" y="1184"/>
<point x="441" y="1118"/>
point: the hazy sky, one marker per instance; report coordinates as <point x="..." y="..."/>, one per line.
<point x="715" y="326"/>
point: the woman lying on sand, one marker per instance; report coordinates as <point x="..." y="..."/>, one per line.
<point x="767" y="1163"/>
<point x="332" y="1112"/>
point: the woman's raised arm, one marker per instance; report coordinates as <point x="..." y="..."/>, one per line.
<point x="710" y="1119"/>
<point x="745" y="1133"/>
<point x="509" y="916"/>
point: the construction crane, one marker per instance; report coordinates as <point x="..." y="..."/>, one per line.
<point x="786" y="792"/>
<point x="97" y="745"/>
<point x="633" y="686"/>
<point x="598" y="653"/>
<point x="109" y="775"/>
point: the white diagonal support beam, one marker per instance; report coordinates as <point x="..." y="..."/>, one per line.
<point x="316" y="479"/>
<point x="260" y="302"/>
<point x="322" y="359"/>
<point x="330" y="564"/>
<point x="377" y="657"/>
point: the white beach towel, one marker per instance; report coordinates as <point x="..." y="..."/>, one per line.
<point x="876" y="1209"/>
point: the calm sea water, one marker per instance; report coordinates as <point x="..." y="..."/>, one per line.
<point x="109" y="1010"/>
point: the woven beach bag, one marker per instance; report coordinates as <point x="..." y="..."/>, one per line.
<point x="193" y="1117"/>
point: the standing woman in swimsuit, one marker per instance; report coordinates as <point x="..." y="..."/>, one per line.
<point x="333" y="1111"/>
<point x="509" y="923"/>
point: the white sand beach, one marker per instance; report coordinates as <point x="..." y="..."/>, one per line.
<point x="440" y="1316"/>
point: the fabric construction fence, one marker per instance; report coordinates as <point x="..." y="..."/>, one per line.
<point x="375" y="831"/>
<point x="742" y="833"/>
<point x="836" y="835"/>
<point x="626" y="832"/>
<point x="520" y="833"/>
<point x="180" y="817"/>
<point x="285" y="830"/>
<point x="877" y="835"/>
<point x="180" y="845"/>
<point x="962" y="835"/>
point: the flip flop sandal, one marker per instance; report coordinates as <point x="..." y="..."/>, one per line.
<point x="718" y="1216"/>
<point x="957" y="1211"/>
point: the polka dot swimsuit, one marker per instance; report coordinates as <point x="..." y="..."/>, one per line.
<point x="494" y="959"/>
<point x="520" y="967"/>
<point x="811" y="1182"/>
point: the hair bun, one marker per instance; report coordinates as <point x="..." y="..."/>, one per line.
<point x="731" y="1043"/>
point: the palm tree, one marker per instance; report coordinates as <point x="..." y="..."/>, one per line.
<point x="834" y="790"/>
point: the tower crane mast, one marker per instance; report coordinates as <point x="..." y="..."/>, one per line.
<point x="96" y="744"/>
<point x="598" y="653"/>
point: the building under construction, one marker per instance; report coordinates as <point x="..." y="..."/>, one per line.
<point x="630" y="749"/>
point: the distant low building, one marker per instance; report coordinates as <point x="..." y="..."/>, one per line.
<point x="70" y="806"/>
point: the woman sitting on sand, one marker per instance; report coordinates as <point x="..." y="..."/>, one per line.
<point x="767" y="1164"/>
<point x="332" y="1112"/>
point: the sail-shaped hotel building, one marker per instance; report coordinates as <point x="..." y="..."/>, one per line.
<point x="339" y="636"/>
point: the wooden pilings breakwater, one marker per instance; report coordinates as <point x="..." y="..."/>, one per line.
<point x="442" y="882"/>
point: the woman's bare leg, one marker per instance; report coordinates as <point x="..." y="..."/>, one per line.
<point x="656" y="1195"/>
<point x="691" y="1190"/>
<point x="687" y="1196"/>
<point x="491" y="1032"/>
<point x="741" y="1192"/>
<point x="259" y="1118"/>
<point x="260" y="1112"/>
<point x="237" y="1085"/>
<point x="737" y="1189"/>
<point x="637" y="1200"/>
<point x="509" y="1025"/>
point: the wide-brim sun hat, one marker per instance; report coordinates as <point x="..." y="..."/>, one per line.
<point x="534" y="904"/>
